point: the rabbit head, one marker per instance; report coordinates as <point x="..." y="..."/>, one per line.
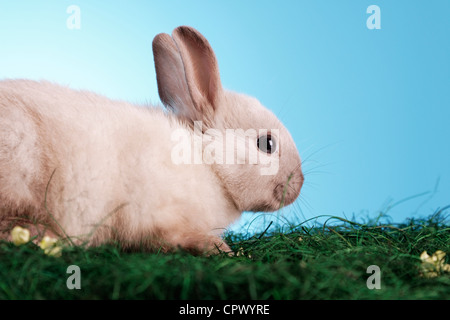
<point x="255" y="157"/>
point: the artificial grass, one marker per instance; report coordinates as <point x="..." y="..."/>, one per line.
<point x="320" y="262"/>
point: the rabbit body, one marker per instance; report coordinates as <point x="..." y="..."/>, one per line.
<point x="105" y="154"/>
<point x="98" y="170"/>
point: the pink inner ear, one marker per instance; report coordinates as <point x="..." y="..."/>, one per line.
<point x="201" y="68"/>
<point x="203" y="71"/>
<point x="170" y="75"/>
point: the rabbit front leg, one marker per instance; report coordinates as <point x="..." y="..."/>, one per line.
<point x="217" y="246"/>
<point x="201" y="244"/>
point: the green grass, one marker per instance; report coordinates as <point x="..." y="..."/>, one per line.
<point x="324" y="262"/>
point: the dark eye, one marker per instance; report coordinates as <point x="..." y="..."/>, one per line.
<point x="267" y="143"/>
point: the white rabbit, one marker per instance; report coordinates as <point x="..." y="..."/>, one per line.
<point x="76" y="164"/>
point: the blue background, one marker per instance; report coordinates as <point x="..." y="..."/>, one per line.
<point x="369" y="110"/>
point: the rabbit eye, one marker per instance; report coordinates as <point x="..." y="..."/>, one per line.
<point x="267" y="144"/>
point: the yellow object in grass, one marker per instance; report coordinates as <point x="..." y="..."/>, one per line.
<point x="50" y="246"/>
<point x="241" y="253"/>
<point x="20" y="235"/>
<point x="434" y="265"/>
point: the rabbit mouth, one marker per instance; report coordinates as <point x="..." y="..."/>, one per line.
<point x="286" y="193"/>
<point x="282" y="195"/>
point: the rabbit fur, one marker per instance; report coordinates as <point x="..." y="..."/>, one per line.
<point x="79" y="165"/>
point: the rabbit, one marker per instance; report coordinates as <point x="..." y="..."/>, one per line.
<point x="80" y="166"/>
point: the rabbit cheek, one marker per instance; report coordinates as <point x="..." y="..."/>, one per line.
<point x="265" y="207"/>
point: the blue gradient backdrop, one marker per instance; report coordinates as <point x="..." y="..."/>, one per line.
<point x="369" y="109"/>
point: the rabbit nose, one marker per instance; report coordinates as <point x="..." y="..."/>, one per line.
<point x="288" y="191"/>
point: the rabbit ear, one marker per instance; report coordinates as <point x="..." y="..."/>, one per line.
<point x="170" y="76"/>
<point x="187" y="73"/>
<point x="200" y="65"/>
